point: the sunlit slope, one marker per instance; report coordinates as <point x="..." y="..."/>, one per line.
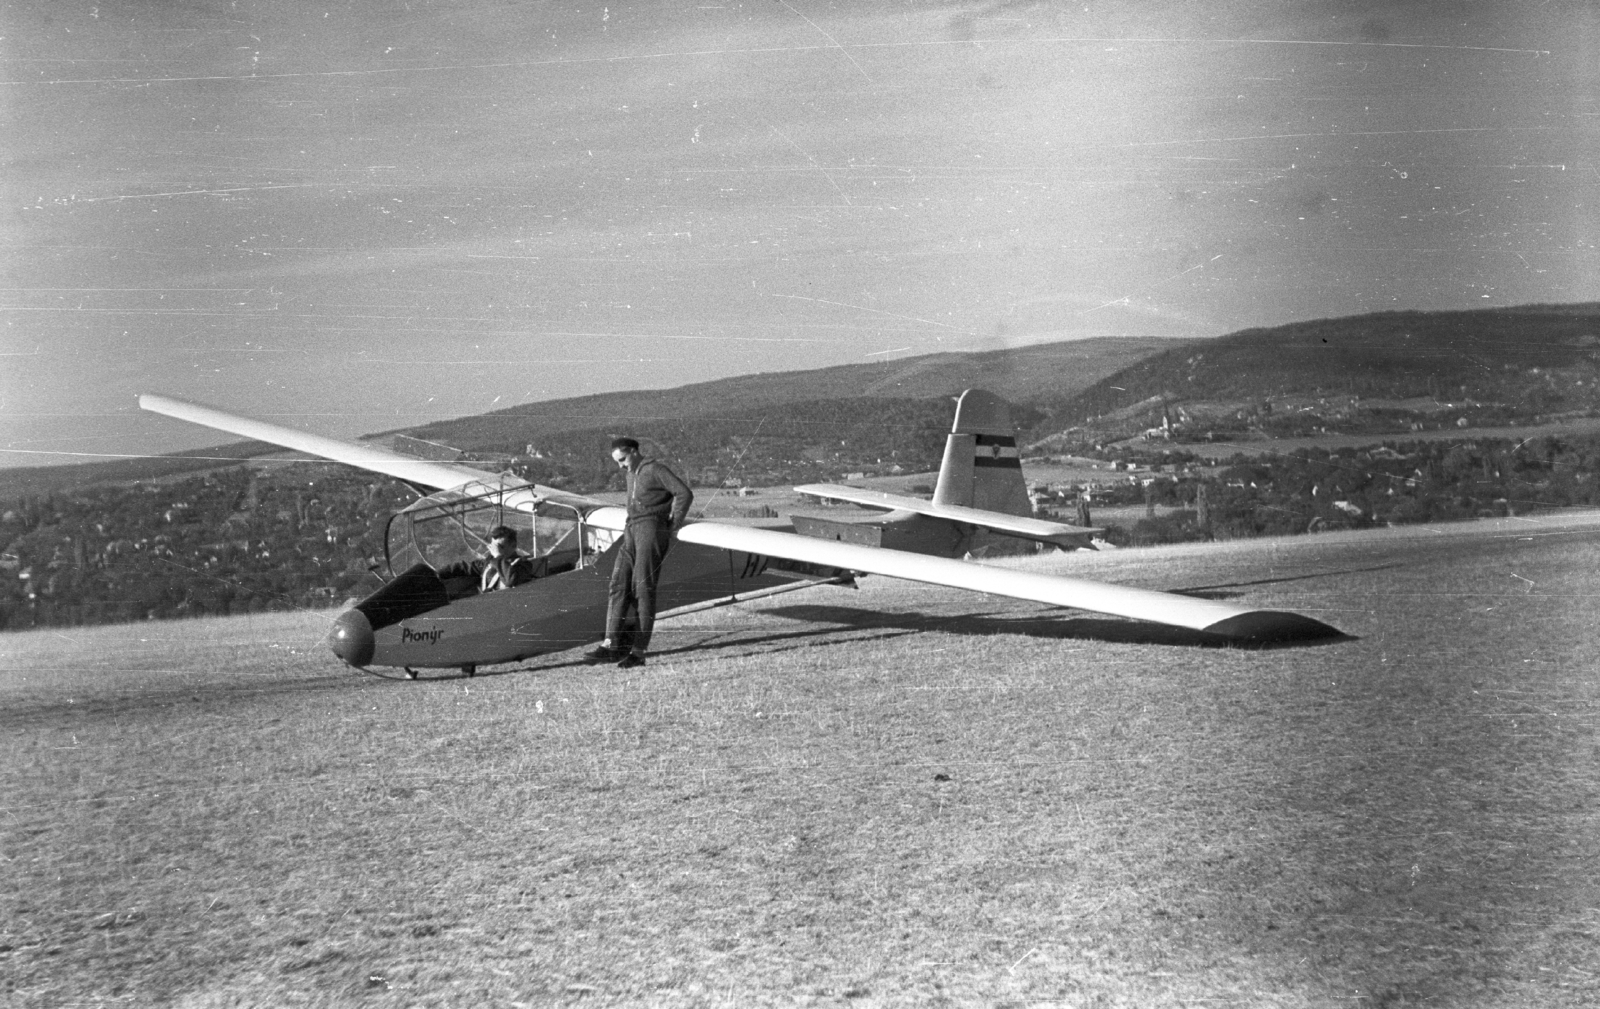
<point x="1029" y="374"/>
<point x="855" y="399"/>
<point x="1532" y="359"/>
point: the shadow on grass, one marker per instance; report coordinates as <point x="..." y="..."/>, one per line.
<point x="715" y="644"/>
<point x="1058" y="626"/>
<point x="773" y="644"/>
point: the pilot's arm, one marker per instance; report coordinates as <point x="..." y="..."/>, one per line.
<point x="462" y="569"/>
<point x="521" y="570"/>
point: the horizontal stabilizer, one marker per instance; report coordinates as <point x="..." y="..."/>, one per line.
<point x="418" y="472"/>
<point x="1011" y="525"/>
<point x="1227" y="622"/>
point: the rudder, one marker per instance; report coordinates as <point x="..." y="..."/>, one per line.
<point x="981" y="467"/>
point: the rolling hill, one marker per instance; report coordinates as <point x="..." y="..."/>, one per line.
<point x="1386" y="372"/>
<point x="855" y="396"/>
<point x="785" y="426"/>
<point x="1027" y="375"/>
<point x="1383" y="374"/>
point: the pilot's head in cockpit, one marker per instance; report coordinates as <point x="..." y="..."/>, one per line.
<point x="502" y="541"/>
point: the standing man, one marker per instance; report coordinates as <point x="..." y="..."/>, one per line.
<point x="658" y="502"/>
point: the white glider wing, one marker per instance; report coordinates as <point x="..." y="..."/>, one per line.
<point x="1013" y="525"/>
<point x="1205" y="615"/>
<point x="418" y="472"/>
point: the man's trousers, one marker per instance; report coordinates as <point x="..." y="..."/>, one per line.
<point x="645" y="542"/>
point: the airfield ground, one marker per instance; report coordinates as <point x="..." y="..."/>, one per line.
<point x="898" y="796"/>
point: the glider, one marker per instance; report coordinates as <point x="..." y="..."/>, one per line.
<point x="419" y="619"/>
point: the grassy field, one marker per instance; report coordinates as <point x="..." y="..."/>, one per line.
<point x="896" y="796"/>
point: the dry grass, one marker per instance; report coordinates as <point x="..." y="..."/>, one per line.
<point x="902" y="796"/>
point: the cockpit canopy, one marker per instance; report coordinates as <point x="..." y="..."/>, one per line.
<point x="450" y="526"/>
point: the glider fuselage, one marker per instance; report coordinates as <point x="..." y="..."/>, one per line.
<point x="411" y="622"/>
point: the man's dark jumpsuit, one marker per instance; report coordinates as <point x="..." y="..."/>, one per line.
<point x="657" y="503"/>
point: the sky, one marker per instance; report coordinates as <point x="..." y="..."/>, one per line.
<point x="358" y="215"/>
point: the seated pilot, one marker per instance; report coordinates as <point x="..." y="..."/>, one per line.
<point x="504" y="568"/>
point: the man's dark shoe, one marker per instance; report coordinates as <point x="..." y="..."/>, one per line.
<point x="633" y="659"/>
<point x="604" y="653"/>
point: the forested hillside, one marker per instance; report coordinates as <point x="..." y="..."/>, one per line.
<point x="1381" y="373"/>
<point x="1040" y="373"/>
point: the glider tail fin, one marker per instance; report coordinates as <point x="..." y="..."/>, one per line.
<point x="981" y="468"/>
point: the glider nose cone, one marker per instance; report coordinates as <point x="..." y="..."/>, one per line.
<point x="351" y="638"/>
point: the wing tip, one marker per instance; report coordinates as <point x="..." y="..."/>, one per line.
<point x="1274" y="627"/>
